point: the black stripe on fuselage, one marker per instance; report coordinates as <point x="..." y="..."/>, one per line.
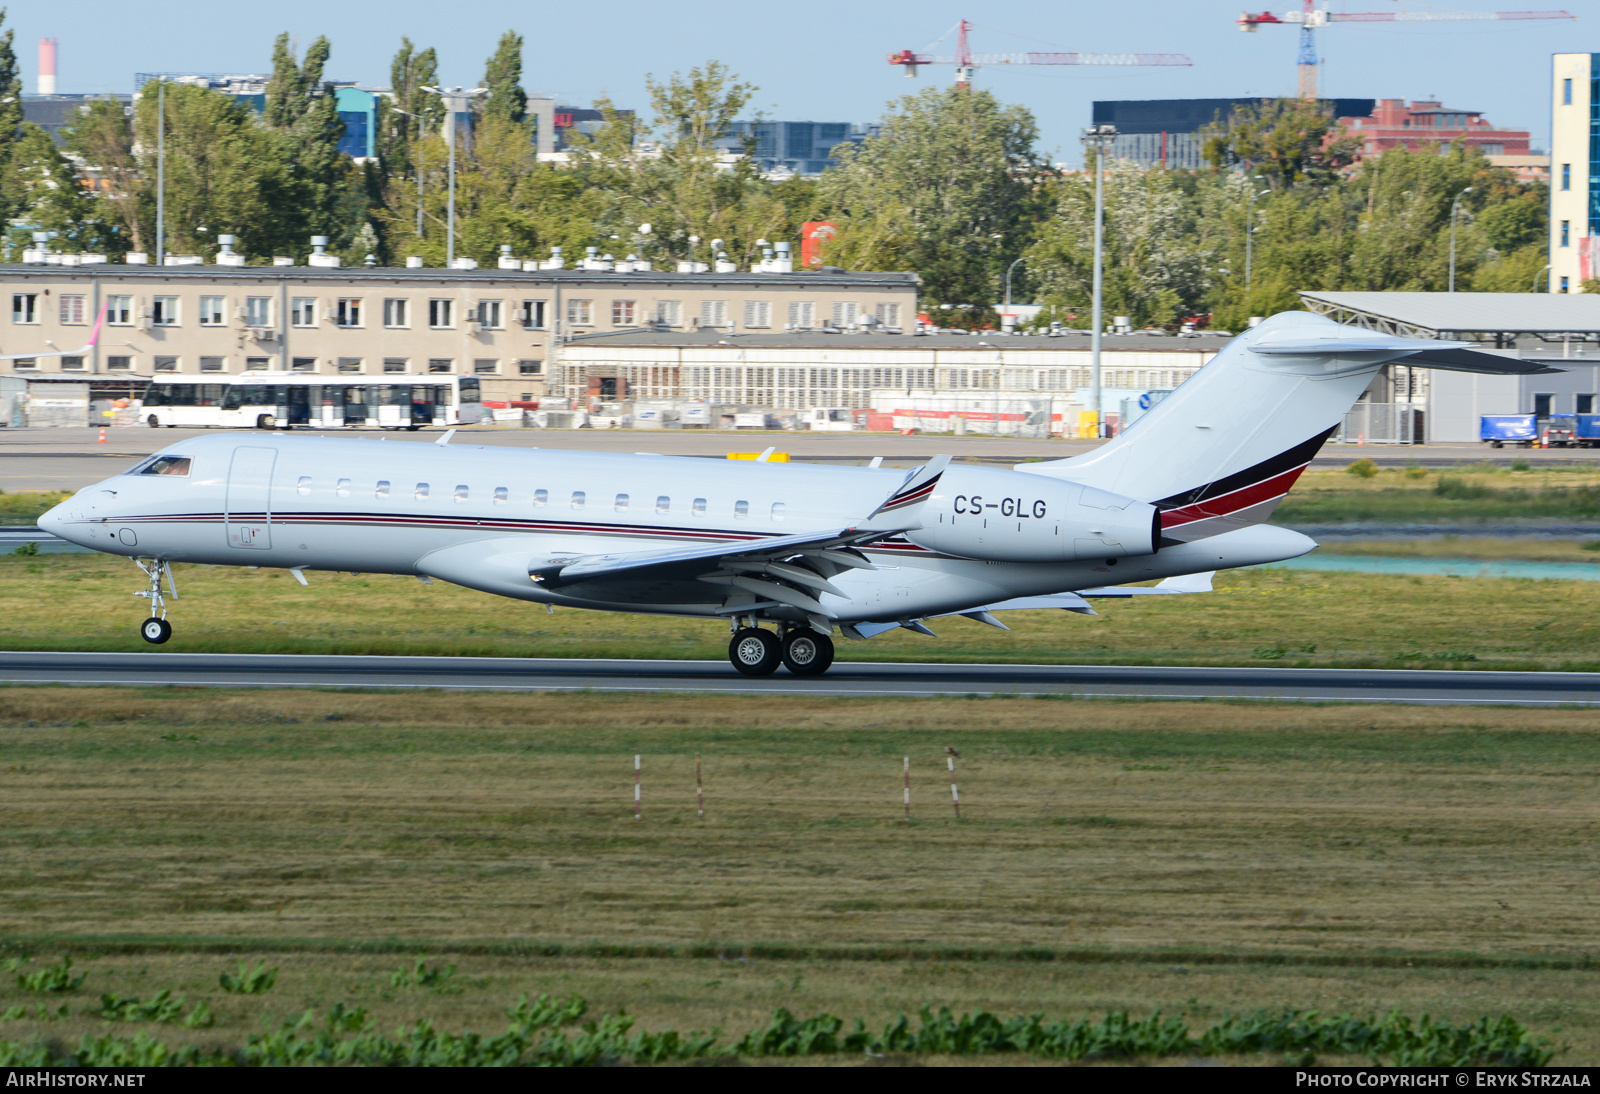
<point x="1300" y="454"/>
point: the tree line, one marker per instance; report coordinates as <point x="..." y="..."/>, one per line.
<point x="954" y="186"/>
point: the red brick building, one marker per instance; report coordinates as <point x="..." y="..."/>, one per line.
<point x="1425" y="125"/>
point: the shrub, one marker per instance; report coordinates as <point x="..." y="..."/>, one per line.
<point x="1362" y="469"/>
<point x="55" y="978"/>
<point x="248" y="981"/>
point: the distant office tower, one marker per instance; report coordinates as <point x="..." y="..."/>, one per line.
<point x="1574" y="171"/>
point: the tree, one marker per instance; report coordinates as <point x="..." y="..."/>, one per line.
<point x="415" y="109"/>
<point x="49" y="196"/>
<point x="947" y="188"/>
<point x="302" y="115"/>
<point x="503" y="77"/>
<point x="102" y="139"/>
<point x="293" y="88"/>
<point x="10" y="114"/>
<point x="1290" y="141"/>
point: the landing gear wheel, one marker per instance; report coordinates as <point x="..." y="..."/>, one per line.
<point x="266" y="421"/>
<point x="807" y="653"/>
<point x="754" y="652"/>
<point x="155" y="631"/>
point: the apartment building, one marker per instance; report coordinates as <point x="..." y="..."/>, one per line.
<point x="1574" y="171"/>
<point x="505" y="326"/>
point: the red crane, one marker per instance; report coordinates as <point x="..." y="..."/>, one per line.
<point x="966" y="61"/>
<point x="1310" y="17"/>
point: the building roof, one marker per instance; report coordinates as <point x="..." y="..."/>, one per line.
<point x="811" y="339"/>
<point x="798" y="279"/>
<point x="1464" y="314"/>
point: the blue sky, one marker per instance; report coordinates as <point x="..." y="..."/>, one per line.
<point x="824" y="60"/>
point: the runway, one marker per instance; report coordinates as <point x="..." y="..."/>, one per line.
<point x="844" y="679"/>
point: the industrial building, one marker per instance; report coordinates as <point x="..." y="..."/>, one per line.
<point x="505" y="325"/>
<point x="1167" y="132"/>
<point x="800" y="148"/>
<point x="1574" y="171"/>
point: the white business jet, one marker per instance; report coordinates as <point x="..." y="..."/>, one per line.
<point x="787" y="554"/>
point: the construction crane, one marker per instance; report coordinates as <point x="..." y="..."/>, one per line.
<point x="966" y="61"/>
<point x="1310" y="18"/>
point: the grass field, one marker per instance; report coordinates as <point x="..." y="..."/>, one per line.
<point x="1465" y="494"/>
<point x="83" y="602"/>
<point x="1197" y="857"/>
<point x="1487" y="548"/>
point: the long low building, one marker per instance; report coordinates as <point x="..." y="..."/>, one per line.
<point x="802" y="370"/>
<point x="503" y="325"/>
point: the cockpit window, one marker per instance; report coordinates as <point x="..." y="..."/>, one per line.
<point x="166" y="465"/>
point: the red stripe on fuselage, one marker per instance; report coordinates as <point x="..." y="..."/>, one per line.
<point x="1224" y="504"/>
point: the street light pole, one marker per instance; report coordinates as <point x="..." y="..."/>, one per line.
<point x="1250" y="229"/>
<point x="1098" y="136"/>
<point x="161" y="171"/>
<point x="1542" y="270"/>
<point x="1008" y="314"/>
<point x="455" y="101"/>
<point x="421" y="132"/>
<point x="1454" y="205"/>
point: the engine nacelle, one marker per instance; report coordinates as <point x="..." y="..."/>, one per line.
<point x="1006" y="516"/>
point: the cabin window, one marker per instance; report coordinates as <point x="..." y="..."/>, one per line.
<point x="777" y="510"/>
<point x="383" y="489"/>
<point x="699" y="507"/>
<point x="342" y="488"/>
<point x="541" y="498"/>
<point x="741" y="509"/>
<point x="622" y="503"/>
<point x="501" y="494"/>
<point x="303" y="487"/>
<point x="422" y="491"/>
<point x="577" y="499"/>
<point x="663" y="503"/>
<point x="461" y="492"/>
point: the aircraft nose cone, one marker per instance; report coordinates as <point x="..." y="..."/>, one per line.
<point x="55" y="521"/>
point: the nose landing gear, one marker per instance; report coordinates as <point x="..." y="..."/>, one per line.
<point x="156" y="629"/>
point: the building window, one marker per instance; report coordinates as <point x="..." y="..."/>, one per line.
<point x="622" y="312"/>
<point x="26" y="364"/>
<point x="347" y="311"/>
<point x="489" y="314"/>
<point x="440" y="364"/>
<point x="1564" y="285"/>
<point x="119" y="364"/>
<point x="1585" y="404"/>
<point x="119" y="310"/>
<point x="441" y="313"/>
<point x="303" y="364"/>
<point x="394" y="364"/>
<point x="1566" y="92"/>
<point x="258" y="311"/>
<point x="349" y="364"/>
<point x="72" y="364"/>
<point x="802" y="315"/>
<point x="303" y="311"/>
<point x="166" y="364"/>
<point x="844" y="314"/>
<point x="1566" y="231"/>
<point x="482" y="366"/>
<point x="1566" y="176"/>
<point x="257" y="364"/>
<point x="888" y="314"/>
<point x="530" y="368"/>
<point x="757" y="314"/>
<point x="1541" y="405"/>
<point x="713" y="313"/>
<point x="72" y="309"/>
<point x="395" y="313"/>
<point x="213" y="311"/>
<point x="211" y="364"/>
<point x="533" y="315"/>
<point x="580" y="313"/>
<point x="669" y="313"/>
<point x="24" y="307"/>
<point x="164" y="311"/>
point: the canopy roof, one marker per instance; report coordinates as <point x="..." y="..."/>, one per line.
<point x="1468" y="316"/>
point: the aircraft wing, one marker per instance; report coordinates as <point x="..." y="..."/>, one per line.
<point x="94" y="336"/>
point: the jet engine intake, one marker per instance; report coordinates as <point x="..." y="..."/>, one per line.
<point x="1005" y="516"/>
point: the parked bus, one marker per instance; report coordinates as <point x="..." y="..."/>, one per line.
<point x="276" y="400"/>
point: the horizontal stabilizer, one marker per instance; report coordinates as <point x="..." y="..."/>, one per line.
<point x="1477" y="360"/>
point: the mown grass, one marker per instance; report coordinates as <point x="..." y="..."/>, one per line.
<point x="1489" y="549"/>
<point x="1199" y="858"/>
<point x="1465" y="494"/>
<point x="27" y="506"/>
<point x="84" y="602"/>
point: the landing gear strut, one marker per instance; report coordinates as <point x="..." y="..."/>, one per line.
<point x="156" y="629"/>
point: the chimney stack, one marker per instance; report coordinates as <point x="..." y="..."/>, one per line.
<point x="47" y="66"/>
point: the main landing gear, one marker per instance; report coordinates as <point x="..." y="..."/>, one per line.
<point x="756" y="652"/>
<point x="156" y="629"/>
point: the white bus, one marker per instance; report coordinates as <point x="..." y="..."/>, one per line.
<point x="277" y="400"/>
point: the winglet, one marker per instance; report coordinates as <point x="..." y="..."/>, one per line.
<point x="917" y="486"/>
